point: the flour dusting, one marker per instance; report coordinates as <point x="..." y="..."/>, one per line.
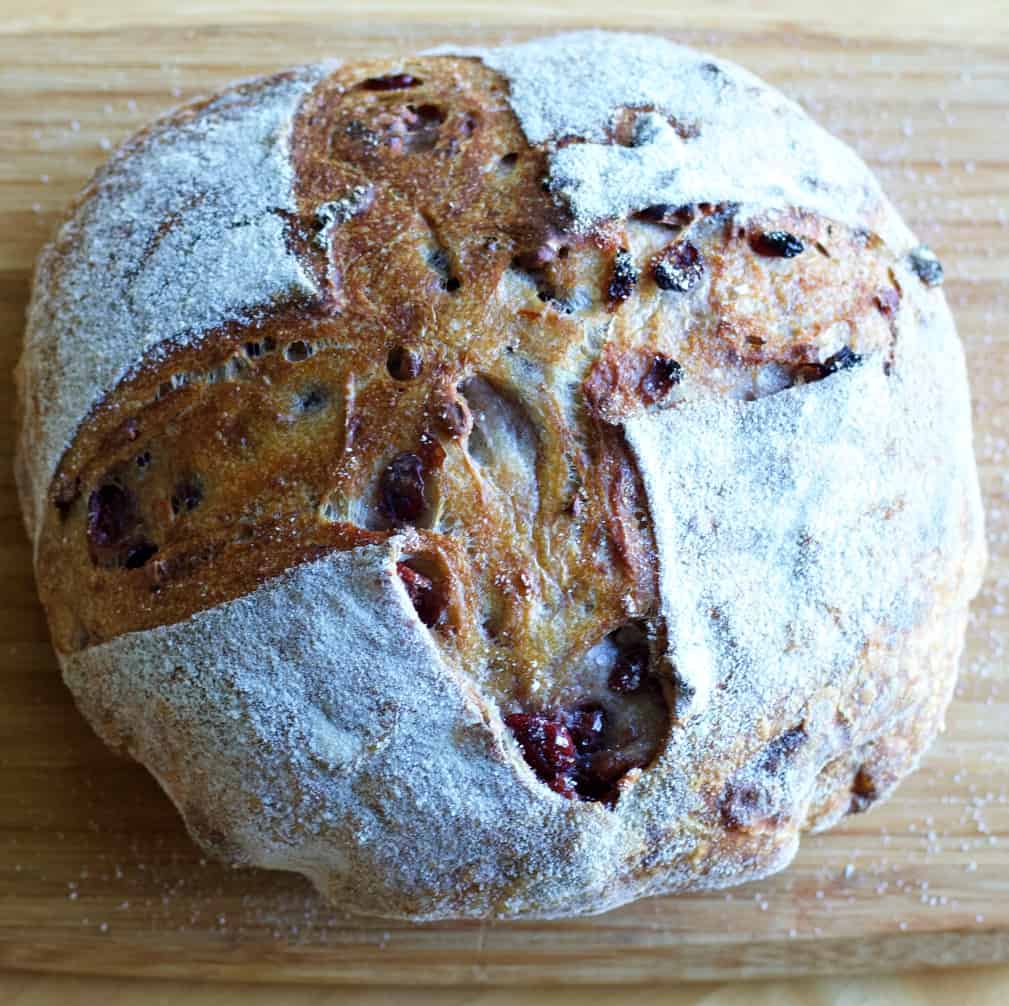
<point x="181" y="232"/>
<point x="710" y="131"/>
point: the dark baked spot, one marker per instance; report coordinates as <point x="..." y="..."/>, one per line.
<point x="678" y="267"/>
<point x="506" y="165"/>
<point x="926" y="266"/>
<point x="66" y="493"/>
<point x="624" y="277"/>
<point x="312" y="399"/>
<point x="776" y="244"/>
<point x="113" y="529"/>
<point x="404" y="364"/>
<point x="662" y="375"/>
<point x="391" y="82"/>
<point x="187" y="496"/>
<point x="143" y="460"/>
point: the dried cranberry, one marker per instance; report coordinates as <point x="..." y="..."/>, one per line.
<point x="111" y="516"/>
<point x="662" y="375"/>
<point x="187" y="496"/>
<point x="138" y="553"/>
<point x="428" y="598"/>
<point x="391" y="82"/>
<point x="629" y="671"/>
<point x="777" y="244"/>
<point x="678" y="267"/>
<point x="926" y="266"/>
<point x="401" y="493"/>
<point x="843" y="359"/>
<point x="668" y="213"/>
<point x="586" y="725"/>
<point x="564" y="785"/>
<point x="404" y="364"/>
<point x="864" y="792"/>
<point x="624" y="278"/>
<point x="546" y="744"/>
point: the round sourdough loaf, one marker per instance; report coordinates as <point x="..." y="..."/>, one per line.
<point x="501" y="482"/>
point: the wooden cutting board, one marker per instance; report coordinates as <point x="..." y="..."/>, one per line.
<point x="96" y="872"/>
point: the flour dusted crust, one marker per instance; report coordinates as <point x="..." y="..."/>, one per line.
<point x="504" y="482"/>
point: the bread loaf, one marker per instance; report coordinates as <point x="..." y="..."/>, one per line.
<point x="501" y="482"/>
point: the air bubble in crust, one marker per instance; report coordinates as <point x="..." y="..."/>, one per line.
<point x="297" y="351"/>
<point x="391" y="82"/>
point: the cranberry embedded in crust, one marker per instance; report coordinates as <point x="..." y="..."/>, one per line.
<point x="428" y="599"/>
<point x="660" y="378"/>
<point x="679" y="267"/>
<point x="777" y="244"/>
<point x="111" y="517"/>
<point x="112" y="527"/>
<point x="401" y="494"/>
<point x="624" y="278"/>
<point x="548" y="748"/>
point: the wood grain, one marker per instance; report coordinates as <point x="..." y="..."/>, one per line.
<point x="96" y="873"/>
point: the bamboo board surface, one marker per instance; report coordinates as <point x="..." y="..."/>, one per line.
<point x="96" y="872"/>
